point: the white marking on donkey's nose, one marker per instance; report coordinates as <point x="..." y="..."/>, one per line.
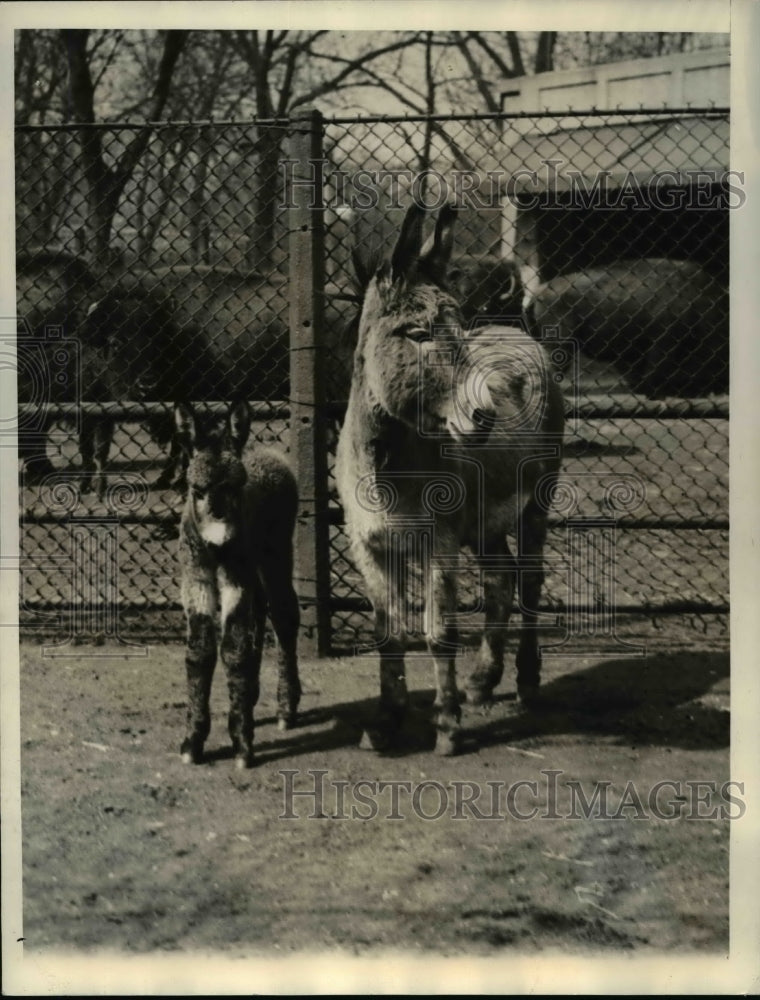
<point x="215" y="532"/>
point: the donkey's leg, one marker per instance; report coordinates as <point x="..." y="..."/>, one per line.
<point x="441" y="603"/>
<point x="531" y="538"/>
<point x="285" y="614"/>
<point x="94" y="445"/>
<point x="383" y="574"/>
<point x="394" y="697"/>
<point x="258" y="632"/>
<point x="103" y="435"/>
<point x="174" y="472"/>
<point x="200" y="660"/>
<point x="33" y="454"/>
<point x="239" y="659"/>
<point x="87" y="451"/>
<point x="388" y="588"/>
<point x="391" y="710"/>
<point x="499" y="576"/>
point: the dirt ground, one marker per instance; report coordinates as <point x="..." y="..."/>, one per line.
<point x="125" y="848"/>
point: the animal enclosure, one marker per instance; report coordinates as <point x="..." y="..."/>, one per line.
<point x="252" y="266"/>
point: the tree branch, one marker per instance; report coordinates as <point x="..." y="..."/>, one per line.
<point x="118" y="36"/>
<point x="545" y="51"/>
<point x="514" y="51"/>
<point x="351" y="65"/>
<point x="287" y="83"/>
<point x="497" y="58"/>
<point x="476" y="72"/>
<point x="174" y="43"/>
<point x="459" y="155"/>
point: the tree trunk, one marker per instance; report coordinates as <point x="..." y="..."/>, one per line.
<point x="200" y="237"/>
<point x="267" y="196"/>
<point x="424" y="161"/>
<point x="104" y="186"/>
<point x="166" y="186"/>
<point x="545" y="51"/>
<point x="103" y="192"/>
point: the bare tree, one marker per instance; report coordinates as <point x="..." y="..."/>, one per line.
<point x="93" y="76"/>
<point x="42" y="159"/>
<point x="291" y="70"/>
<point x="493" y="57"/>
<point x="104" y="183"/>
<point x="39" y="72"/>
<point x="588" y="48"/>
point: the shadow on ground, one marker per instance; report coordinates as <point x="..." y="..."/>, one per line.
<point x="652" y="702"/>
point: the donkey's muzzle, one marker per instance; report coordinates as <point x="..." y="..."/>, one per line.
<point x="483" y="420"/>
<point x="474" y="426"/>
<point x="219" y="506"/>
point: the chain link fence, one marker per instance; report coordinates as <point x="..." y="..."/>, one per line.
<point x="212" y="261"/>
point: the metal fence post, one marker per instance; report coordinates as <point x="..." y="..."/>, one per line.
<point x="307" y="415"/>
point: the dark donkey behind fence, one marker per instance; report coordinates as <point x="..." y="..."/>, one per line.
<point x="662" y="323"/>
<point x="448" y="440"/>
<point x="91" y="340"/>
<point x="236" y="555"/>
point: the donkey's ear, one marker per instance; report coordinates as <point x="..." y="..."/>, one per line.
<point x="436" y="253"/>
<point x="406" y="255"/>
<point x="364" y="267"/>
<point x="98" y="321"/>
<point x="514" y="281"/>
<point x="239" y="425"/>
<point x="186" y="424"/>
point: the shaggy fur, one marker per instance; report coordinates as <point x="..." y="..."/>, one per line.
<point x="445" y="441"/>
<point x="488" y="291"/>
<point x="663" y="323"/>
<point x="236" y="556"/>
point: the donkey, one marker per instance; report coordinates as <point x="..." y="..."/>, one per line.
<point x="663" y="323"/>
<point x="448" y="440"/>
<point x="488" y="290"/>
<point x="236" y="555"/>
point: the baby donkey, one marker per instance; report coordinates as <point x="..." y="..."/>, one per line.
<point x="236" y="554"/>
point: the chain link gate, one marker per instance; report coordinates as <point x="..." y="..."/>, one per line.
<point x="213" y="260"/>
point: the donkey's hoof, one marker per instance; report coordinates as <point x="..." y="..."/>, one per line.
<point x="479" y="695"/>
<point x="191" y="750"/>
<point x="529" y="695"/>
<point x="285" y="722"/>
<point x="164" y="481"/>
<point x="35" y="470"/>
<point x="244" y="760"/>
<point x="448" y="742"/>
<point x="242" y="751"/>
<point x="166" y="532"/>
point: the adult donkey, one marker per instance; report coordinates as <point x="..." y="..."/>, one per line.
<point x="448" y="441"/>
